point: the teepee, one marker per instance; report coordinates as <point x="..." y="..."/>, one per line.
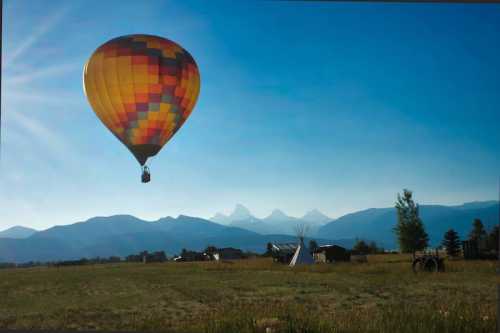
<point x="302" y="255"/>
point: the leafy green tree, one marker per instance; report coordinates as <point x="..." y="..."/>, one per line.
<point x="374" y="249"/>
<point x="451" y="242"/>
<point x="410" y="230"/>
<point x="269" y="250"/>
<point x="313" y="245"/>
<point x="477" y="233"/>
<point x="210" y="250"/>
<point x="361" y="247"/>
<point x="493" y="239"/>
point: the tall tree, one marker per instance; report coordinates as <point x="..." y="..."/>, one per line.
<point x="493" y="239"/>
<point x="373" y="248"/>
<point x="451" y="242"/>
<point x="409" y="229"/>
<point x="269" y="249"/>
<point x="210" y="250"/>
<point x="361" y="247"/>
<point x="477" y="232"/>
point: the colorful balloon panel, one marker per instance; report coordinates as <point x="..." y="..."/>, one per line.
<point x="143" y="88"/>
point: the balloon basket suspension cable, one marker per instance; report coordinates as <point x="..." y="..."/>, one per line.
<point x="146" y="175"/>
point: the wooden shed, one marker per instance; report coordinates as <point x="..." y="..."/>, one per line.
<point x="229" y="253"/>
<point x="331" y="253"/>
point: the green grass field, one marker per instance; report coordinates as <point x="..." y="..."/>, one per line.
<point x="258" y="295"/>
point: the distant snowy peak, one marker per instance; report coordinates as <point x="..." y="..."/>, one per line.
<point x="220" y="218"/>
<point x="278" y="215"/>
<point x="277" y="222"/>
<point x="239" y="213"/>
<point x="316" y="217"/>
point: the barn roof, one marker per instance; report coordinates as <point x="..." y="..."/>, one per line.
<point x="285" y="247"/>
<point x="326" y="247"/>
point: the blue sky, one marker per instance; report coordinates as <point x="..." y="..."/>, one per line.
<point x="334" y="106"/>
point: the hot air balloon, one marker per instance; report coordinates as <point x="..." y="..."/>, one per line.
<point x="142" y="88"/>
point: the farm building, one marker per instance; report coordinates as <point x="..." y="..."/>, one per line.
<point x="147" y="257"/>
<point x="331" y="253"/>
<point x="228" y="253"/>
<point x="283" y="252"/>
<point x="187" y="255"/>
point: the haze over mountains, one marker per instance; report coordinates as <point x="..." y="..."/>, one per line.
<point x="275" y="223"/>
<point x="17" y="232"/>
<point x="371" y="224"/>
<point x="377" y="223"/>
<point x="121" y="235"/>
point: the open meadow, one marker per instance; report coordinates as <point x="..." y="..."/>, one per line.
<point x="256" y="295"/>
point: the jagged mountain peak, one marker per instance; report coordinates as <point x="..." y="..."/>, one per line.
<point x="277" y="214"/>
<point x="240" y="212"/>
<point x="316" y="216"/>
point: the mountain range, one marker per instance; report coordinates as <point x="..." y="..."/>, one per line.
<point x="17" y="232"/>
<point x="377" y="223"/>
<point x="121" y="235"/>
<point x="374" y="224"/>
<point x="276" y="223"/>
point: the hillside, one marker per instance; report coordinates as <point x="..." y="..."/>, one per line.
<point x="17" y="232"/>
<point x="377" y="223"/>
<point x="121" y="235"/>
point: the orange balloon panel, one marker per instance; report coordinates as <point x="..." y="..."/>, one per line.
<point x="143" y="88"/>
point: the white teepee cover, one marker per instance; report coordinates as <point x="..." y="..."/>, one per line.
<point x="302" y="255"/>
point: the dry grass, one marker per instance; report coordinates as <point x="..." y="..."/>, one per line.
<point x="250" y="296"/>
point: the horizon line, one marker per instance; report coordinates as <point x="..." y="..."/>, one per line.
<point x="259" y="218"/>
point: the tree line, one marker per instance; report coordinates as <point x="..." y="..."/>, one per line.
<point x="412" y="237"/>
<point x="143" y="256"/>
<point x="159" y="256"/>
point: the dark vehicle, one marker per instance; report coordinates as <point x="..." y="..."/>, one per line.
<point x="428" y="262"/>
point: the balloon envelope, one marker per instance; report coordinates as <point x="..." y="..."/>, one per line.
<point x="143" y="88"/>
